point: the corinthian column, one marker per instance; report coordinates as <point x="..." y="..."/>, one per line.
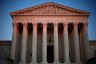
<point x="24" y="43"/>
<point x="66" y="45"/>
<point x="14" y="40"/>
<point x="44" y="52"/>
<point x="76" y="41"/>
<point x="86" y="43"/>
<point x="34" y="44"/>
<point x="56" y="55"/>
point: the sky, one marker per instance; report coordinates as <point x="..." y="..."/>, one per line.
<point x="7" y="6"/>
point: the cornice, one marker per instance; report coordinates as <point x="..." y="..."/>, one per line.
<point x="51" y="15"/>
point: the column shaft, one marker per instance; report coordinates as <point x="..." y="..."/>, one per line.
<point x="56" y="55"/>
<point x="86" y="42"/>
<point x="34" y="44"/>
<point x="83" y="47"/>
<point x="44" y="51"/>
<point x="24" y="43"/>
<point x="76" y="41"/>
<point x="14" y="40"/>
<point x="66" y="44"/>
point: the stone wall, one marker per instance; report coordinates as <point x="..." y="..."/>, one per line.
<point x="92" y="49"/>
<point x="4" y="54"/>
<point x="5" y="48"/>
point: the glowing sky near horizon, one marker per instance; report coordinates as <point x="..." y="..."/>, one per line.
<point x="7" y="6"/>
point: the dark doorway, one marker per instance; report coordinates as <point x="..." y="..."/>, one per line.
<point x="50" y="54"/>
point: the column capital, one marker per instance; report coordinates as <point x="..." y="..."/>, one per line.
<point x="65" y="24"/>
<point x="44" y="24"/>
<point x="15" y="24"/>
<point x="85" y="24"/>
<point x="55" y="24"/>
<point x="24" y="24"/>
<point x="75" y="24"/>
<point x="34" y="24"/>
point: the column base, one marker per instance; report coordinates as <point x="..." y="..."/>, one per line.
<point x="56" y="62"/>
<point x="78" y="62"/>
<point x="44" y="62"/>
<point x="67" y="62"/>
<point x="22" y="63"/>
<point x="33" y="63"/>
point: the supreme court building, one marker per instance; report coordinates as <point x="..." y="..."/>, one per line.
<point x="50" y="33"/>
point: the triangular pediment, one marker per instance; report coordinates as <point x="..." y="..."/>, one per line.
<point x="49" y="8"/>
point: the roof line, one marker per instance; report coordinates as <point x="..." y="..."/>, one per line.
<point x="50" y="3"/>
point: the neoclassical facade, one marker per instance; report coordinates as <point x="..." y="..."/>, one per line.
<point x="50" y="33"/>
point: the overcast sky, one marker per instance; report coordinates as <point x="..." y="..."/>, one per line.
<point x="7" y="6"/>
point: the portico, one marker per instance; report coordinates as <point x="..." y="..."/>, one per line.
<point x="61" y="27"/>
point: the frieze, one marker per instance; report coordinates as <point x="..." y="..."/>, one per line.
<point x="28" y="18"/>
<point x="50" y="20"/>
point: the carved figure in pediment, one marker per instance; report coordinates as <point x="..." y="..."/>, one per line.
<point x="50" y="8"/>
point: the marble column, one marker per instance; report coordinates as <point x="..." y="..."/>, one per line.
<point x="77" y="47"/>
<point x="14" y="40"/>
<point x="81" y="46"/>
<point x="24" y="43"/>
<point x="56" y="53"/>
<point x="34" y="44"/>
<point x="44" y="51"/>
<point x="66" y="44"/>
<point x="84" y="60"/>
<point x="86" y="42"/>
